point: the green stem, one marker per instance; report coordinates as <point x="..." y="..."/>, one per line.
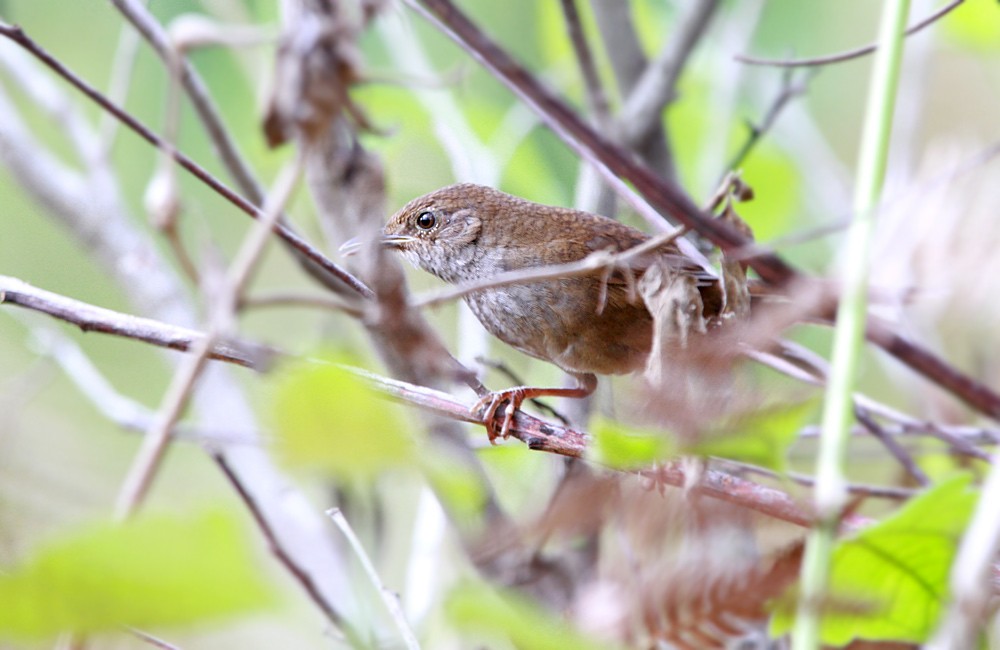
<point x="831" y="484"/>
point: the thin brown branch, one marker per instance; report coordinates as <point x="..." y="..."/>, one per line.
<point x="90" y="318"/>
<point x="288" y="235"/>
<point x="593" y="262"/>
<point x="597" y="99"/>
<point x="278" y="550"/>
<point x="849" y="54"/>
<point x="790" y="89"/>
<point x="145" y="23"/>
<point x="290" y="299"/>
<point x="857" y="489"/>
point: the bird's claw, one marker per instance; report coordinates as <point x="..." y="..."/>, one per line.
<point x="490" y="403"/>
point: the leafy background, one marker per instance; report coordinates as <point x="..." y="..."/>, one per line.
<point x="61" y="461"/>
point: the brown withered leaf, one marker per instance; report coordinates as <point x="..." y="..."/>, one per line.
<point x="702" y="610"/>
<point x="318" y="60"/>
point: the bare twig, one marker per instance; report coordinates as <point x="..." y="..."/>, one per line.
<point x="657" y="87"/>
<point x="278" y="550"/>
<point x="890" y="443"/>
<point x="123" y="411"/>
<point x="289" y="299"/>
<point x="390" y="599"/>
<point x="154" y="641"/>
<point x="876" y="491"/>
<point x="90" y="318"/>
<point x="147" y="25"/>
<point x="849" y="54"/>
<point x="597" y="99"/>
<point x="147" y="461"/>
<point x="593" y="262"/>
<point x="790" y="89"/>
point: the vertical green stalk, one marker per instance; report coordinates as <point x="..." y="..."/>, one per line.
<point x="838" y="412"/>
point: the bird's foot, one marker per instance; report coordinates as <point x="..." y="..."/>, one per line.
<point x="490" y="403"/>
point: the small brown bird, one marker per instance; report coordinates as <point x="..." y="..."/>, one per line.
<point x="585" y="324"/>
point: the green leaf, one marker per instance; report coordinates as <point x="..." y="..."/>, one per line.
<point x="890" y="581"/>
<point x="329" y="420"/>
<point x="761" y="438"/>
<point x="152" y="571"/>
<point x="621" y="448"/>
<point x="478" y="609"/>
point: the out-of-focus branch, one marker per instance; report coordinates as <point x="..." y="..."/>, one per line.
<point x="288" y="560"/>
<point x="147" y="25"/>
<point x="657" y="86"/>
<point x="157" y="438"/>
<point x="790" y="89"/>
<point x="94" y="214"/>
<point x="597" y="99"/>
<point x="849" y="54"/>
<point x="621" y="43"/>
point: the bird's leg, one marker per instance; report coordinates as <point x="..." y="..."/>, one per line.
<point x="490" y="403"/>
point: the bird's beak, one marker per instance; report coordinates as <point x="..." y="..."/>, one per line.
<point x="353" y="245"/>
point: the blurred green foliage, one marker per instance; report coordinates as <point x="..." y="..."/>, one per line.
<point x="157" y="570"/>
<point x="326" y="418"/>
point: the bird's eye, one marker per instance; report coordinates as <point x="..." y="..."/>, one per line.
<point x="426" y="220"/>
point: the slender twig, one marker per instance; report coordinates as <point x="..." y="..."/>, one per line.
<point x="790" y="89"/>
<point x="657" y="86"/>
<point x="290" y="237"/>
<point x="289" y="299"/>
<point x="891" y="445"/>
<point x="586" y="266"/>
<point x="147" y="25"/>
<point x="858" y="489"/>
<point x="278" y="550"/>
<point x="811" y="368"/>
<point x="147" y="461"/>
<point x="124" y="411"/>
<point x="154" y="641"/>
<point x="389" y="599"/>
<point x="597" y="99"/>
<point x="90" y="318"/>
<point x="849" y="54"/>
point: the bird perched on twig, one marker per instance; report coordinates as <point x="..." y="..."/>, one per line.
<point x="593" y="321"/>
